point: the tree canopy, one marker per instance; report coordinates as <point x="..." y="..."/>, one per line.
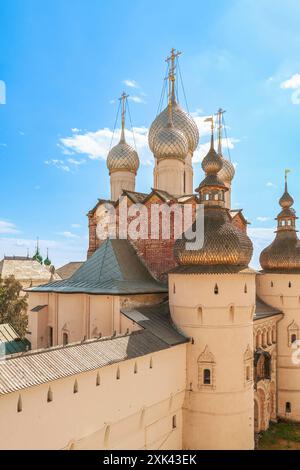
<point x="13" y="305"/>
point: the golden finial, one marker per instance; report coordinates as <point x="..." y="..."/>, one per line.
<point x="286" y="172"/>
<point x="172" y="73"/>
<point x="219" y="114"/>
<point x="211" y="120"/>
<point x="123" y="98"/>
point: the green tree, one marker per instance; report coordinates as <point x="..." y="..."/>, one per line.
<point x="13" y="306"/>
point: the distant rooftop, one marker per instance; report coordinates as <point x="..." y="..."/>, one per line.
<point x="69" y="269"/>
<point x="10" y="342"/>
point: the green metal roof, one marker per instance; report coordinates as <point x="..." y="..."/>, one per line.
<point x="114" y="269"/>
<point x="10" y="342"/>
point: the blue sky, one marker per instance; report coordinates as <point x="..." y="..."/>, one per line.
<point x="65" y="62"/>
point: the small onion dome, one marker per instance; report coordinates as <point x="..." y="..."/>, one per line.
<point x="170" y="142"/>
<point x="224" y="244"/>
<point x="212" y="163"/>
<point x="181" y="120"/>
<point x="286" y="200"/>
<point x="227" y="172"/>
<point x="47" y="262"/>
<point x="284" y="252"/>
<point x="122" y="157"/>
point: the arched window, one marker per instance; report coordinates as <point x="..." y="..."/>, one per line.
<point x="293" y="338"/>
<point x="206" y="370"/>
<point x="216" y="289"/>
<point x="245" y="289"/>
<point x="174" y="289"/>
<point x="290" y="284"/>
<point x="272" y="284"/>
<point x="49" y="395"/>
<point x="206" y="377"/>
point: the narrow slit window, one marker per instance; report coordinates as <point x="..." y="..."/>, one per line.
<point x="216" y="289"/>
<point x="245" y="289"/>
<point x="98" y="380"/>
<point x="135" y="368"/>
<point x="174" y="422"/>
<point x="293" y="338"/>
<point x="19" y="405"/>
<point x="118" y="374"/>
<point x="206" y="377"/>
<point x="49" y="395"/>
<point x="75" y="388"/>
<point x="151" y="363"/>
<point x="288" y="407"/>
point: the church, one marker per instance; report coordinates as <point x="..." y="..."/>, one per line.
<point x="151" y="344"/>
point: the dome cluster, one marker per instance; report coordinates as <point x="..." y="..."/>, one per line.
<point x="173" y="139"/>
<point x="283" y="254"/>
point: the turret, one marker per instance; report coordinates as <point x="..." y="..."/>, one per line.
<point x="279" y="286"/>
<point x="212" y="299"/>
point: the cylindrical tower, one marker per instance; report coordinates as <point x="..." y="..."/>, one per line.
<point x="122" y="162"/>
<point x="279" y="286"/>
<point x="212" y="299"/>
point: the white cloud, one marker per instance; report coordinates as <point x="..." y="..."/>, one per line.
<point x="75" y="162"/>
<point x="269" y="184"/>
<point x="131" y="83"/>
<point x="137" y="99"/>
<point x="67" y="234"/>
<point x="96" y="144"/>
<point x="75" y="225"/>
<point x="75" y="130"/>
<point x="262" y="219"/>
<point x="292" y="83"/>
<point x="60" y="164"/>
<point x="7" y="227"/>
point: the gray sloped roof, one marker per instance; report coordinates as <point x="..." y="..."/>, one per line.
<point x="38" y="367"/>
<point x="69" y="269"/>
<point x="157" y="320"/>
<point x="263" y="310"/>
<point x="114" y="269"/>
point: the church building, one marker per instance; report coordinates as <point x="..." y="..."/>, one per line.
<point x="153" y="344"/>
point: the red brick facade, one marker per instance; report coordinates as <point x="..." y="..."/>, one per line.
<point x="156" y="254"/>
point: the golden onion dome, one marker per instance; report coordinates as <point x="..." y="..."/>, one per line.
<point x="286" y="200"/>
<point x="224" y="244"/>
<point x="212" y="163"/>
<point x="227" y="172"/>
<point x="170" y="142"/>
<point x="122" y="157"/>
<point x="181" y="120"/>
<point x="283" y="254"/>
